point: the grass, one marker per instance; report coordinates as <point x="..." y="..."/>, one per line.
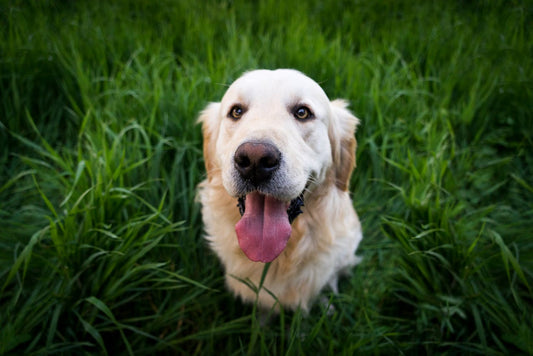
<point x="100" y="246"/>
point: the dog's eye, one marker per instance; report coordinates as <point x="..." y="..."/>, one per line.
<point x="303" y="113"/>
<point x="236" y="112"/>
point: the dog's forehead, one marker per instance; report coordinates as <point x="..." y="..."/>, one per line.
<point x="286" y="84"/>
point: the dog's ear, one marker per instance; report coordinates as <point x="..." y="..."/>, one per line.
<point x="210" y="126"/>
<point x="343" y="143"/>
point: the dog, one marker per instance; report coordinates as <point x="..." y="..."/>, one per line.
<point x="279" y="156"/>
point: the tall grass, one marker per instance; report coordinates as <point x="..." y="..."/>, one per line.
<point x="101" y="247"/>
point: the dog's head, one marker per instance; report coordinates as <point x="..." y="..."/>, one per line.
<point x="274" y="138"/>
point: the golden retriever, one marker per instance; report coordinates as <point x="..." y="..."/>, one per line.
<point x="279" y="156"/>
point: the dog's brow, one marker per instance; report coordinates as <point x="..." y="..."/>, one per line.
<point x="300" y="101"/>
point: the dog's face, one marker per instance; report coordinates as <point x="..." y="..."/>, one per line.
<point x="274" y="136"/>
<point x="284" y="116"/>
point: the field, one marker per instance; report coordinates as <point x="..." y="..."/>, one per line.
<point x="101" y="248"/>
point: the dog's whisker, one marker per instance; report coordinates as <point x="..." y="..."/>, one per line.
<point x="214" y="171"/>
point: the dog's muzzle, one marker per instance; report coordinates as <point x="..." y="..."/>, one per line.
<point x="265" y="224"/>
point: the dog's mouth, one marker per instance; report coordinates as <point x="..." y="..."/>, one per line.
<point x="265" y="225"/>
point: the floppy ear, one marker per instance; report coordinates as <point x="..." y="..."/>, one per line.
<point x="343" y="143"/>
<point x="210" y="126"/>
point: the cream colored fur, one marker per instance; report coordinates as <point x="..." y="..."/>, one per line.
<point x="318" y="157"/>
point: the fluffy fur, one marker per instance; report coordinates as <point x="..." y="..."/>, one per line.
<point x="317" y="158"/>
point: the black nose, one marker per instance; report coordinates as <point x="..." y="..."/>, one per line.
<point x="257" y="161"/>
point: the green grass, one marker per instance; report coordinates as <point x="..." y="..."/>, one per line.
<point x="101" y="248"/>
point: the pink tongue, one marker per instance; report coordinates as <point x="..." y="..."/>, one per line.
<point x="264" y="229"/>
